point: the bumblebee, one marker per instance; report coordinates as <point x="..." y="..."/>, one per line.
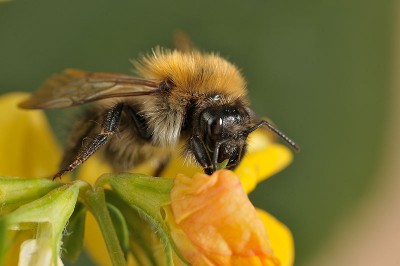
<point x="190" y="97"/>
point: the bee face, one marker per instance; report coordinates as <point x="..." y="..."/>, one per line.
<point x="223" y="133"/>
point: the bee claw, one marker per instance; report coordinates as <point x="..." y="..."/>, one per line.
<point x="58" y="175"/>
<point x="209" y="170"/>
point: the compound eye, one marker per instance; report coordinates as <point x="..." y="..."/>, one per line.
<point x="215" y="128"/>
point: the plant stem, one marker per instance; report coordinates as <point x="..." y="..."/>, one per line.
<point x="96" y="203"/>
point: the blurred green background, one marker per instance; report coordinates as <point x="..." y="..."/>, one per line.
<point x="320" y="69"/>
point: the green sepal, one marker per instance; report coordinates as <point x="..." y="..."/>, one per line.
<point x="120" y="226"/>
<point x="48" y="215"/>
<point x="223" y="164"/>
<point x="15" y="191"/>
<point x="142" y="238"/>
<point x="147" y="195"/>
<point x="73" y="239"/>
<point x="3" y="240"/>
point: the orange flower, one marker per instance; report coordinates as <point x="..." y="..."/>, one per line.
<point x="216" y="217"/>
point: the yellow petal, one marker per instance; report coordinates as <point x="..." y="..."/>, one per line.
<point x="179" y="165"/>
<point x="217" y="218"/>
<point x="28" y="148"/>
<point x="17" y="238"/>
<point x="263" y="159"/>
<point x="92" y="169"/>
<point x="280" y="238"/>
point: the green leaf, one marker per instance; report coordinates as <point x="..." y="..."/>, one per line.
<point x="15" y="191"/>
<point x="73" y="240"/>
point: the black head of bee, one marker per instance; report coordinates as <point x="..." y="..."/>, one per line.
<point x="219" y="136"/>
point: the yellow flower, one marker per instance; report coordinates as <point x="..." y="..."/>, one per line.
<point x="28" y="147"/>
<point x="32" y="151"/>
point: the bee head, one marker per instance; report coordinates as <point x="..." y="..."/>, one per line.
<point x="220" y="135"/>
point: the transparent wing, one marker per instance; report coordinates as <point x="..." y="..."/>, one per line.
<point x="75" y="87"/>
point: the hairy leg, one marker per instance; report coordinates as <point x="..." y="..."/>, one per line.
<point x="109" y="126"/>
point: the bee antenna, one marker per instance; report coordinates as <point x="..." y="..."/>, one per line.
<point x="277" y="132"/>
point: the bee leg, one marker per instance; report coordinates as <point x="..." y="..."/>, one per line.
<point x="216" y="153"/>
<point x="82" y="130"/>
<point x="163" y="164"/>
<point x="201" y="154"/>
<point x="140" y="123"/>
<point x="108" y="128"/>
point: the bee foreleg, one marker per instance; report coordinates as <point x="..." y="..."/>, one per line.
<point x="81" y="130"/>
<point x="108" y="128"/>
<point x="216" y="153"/>
<point x="201" y="154"/>
<point x="162" y="165"/>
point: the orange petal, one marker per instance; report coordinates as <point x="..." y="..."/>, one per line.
<point x="216" y="216"/>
